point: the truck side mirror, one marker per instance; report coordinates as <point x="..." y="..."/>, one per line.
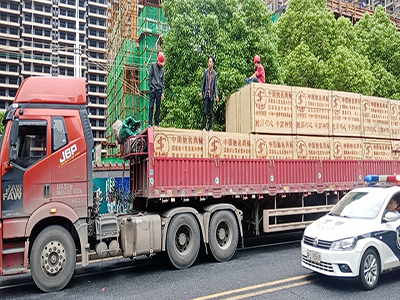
<point x="13" y="154"/>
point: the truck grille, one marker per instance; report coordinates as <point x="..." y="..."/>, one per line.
<point x="325" y="266"/>
<point x="321" y="244"/>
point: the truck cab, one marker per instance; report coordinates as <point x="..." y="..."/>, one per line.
<point x="46" y="175"/>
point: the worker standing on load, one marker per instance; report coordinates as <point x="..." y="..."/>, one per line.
<point x="156" y="85"/>
<point x="259" y="74"/>
<point x="209" y="90"/>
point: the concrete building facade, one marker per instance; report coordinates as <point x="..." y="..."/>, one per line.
<point x="38" y="38"/>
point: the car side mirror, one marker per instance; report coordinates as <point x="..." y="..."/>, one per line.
<point x="13" y="154"/>
<point x="390" y="216"/>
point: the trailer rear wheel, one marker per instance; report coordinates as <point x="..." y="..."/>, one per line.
<point x="183" y="240"/>
<point x="223" y="235"/>
<point x="53" y="258"/>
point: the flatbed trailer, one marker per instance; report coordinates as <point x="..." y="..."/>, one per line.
<point x="284" y="194"/>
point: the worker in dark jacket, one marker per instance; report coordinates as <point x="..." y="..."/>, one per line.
<point x="156" y="85"/>
<point x="209" y="91"/>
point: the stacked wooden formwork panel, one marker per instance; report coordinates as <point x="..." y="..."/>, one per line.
<point x="302" y="123"/>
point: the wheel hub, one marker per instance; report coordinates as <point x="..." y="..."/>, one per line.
<point x="182" y="239"/>
<point x="53" y="258"/>
<point x="221" y="234"/>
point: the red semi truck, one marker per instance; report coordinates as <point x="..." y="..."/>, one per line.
<point x="49" y="213"/>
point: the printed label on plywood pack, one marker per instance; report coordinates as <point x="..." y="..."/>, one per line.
<point x="346" y="114"/>
<point x="228" y="145"/>
<point x="272" y="109"/>
<point x="313" y="147"/>
<point x="375" y="112"/>
<point x="272" y="146"/>
<point x="347" y="148"/>
<point x="312" y="112"/>
<point x="171" y="142"/>
<point x="396" y="150"/>
<point x="377" y="149"/>
<point x="395" y="119"/>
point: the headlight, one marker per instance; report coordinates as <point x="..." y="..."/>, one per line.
<point x="344" y="245"/>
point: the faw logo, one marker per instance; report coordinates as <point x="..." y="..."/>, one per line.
<point x="68" y="153"/>
<point x="13" y="192"/>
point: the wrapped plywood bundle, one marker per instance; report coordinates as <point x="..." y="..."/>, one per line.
<point x="172" y="142"/>
<point x="347" y="148"/>
<point x="307" y="147"/>
<point x="346" y="114"/>
<point x="395" y="150"/>
<point x="394" y="119"/>
<point x="377" y="149"/>
<point x="312" y="112"/>
<point x="272" y="146"/>
<point x="265" y="108"/>
<point x="228" y="145"/>
<point x="375" y="117"/>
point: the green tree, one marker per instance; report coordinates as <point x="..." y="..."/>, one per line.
<point x="378" y="40"/>
<point x="310" y="22"/>
<point x="302" y="68"/>
<point x="233" y="33"/>
<point x="349" y="71"/>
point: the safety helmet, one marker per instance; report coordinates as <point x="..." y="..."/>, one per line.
<point x="161" y="58"/>
<point x="257" y="59"/>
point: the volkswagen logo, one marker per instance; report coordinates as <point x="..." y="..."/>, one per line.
<point x="315" y="242"/>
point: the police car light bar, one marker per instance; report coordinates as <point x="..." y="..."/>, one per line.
<point x="382" y="178"/>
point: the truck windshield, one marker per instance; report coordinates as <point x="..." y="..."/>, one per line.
<point x="360" y="205"/>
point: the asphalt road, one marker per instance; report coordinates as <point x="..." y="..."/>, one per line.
<point x="267" y="272"/>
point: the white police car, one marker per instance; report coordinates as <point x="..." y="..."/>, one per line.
<point x="359" y="237"/>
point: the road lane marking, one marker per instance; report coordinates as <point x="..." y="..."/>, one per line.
<point x="259" y="286"/>
<point x="278" y="288"/>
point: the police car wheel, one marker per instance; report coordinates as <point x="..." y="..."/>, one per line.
<point x="370" y="267"/>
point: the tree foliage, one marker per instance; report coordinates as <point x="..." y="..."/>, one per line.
<point x="233" y="32"/>
<point x="318" y="51"/>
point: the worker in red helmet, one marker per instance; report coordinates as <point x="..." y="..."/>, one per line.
<point x="156" y="85"/>
<point x="259" y="74"/>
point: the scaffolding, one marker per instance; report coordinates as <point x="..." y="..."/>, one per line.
<point x="134" y="38"/>
<point x="357" y="9"/>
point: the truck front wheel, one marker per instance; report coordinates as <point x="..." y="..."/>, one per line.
<point x="53" y="258"/>
<point x="183" y="240"/>
<point x="223" y="235"/>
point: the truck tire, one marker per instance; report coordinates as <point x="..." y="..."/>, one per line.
<point x="53" y="258"/>
<point x="223" y="235"/>
<point x="183" y="240"/>
<point x="370" y="267"/>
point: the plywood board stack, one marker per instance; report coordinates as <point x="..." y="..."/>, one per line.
<point x="228" y="145"/>
<point x="376" y="117"/>
<point x="395" y="119"/>
<point x="346" y="114"/>
<point x="377" y="149"/>
<point x="172" y="142"/>
<point x="265" y="146"/>
<point x="347" y="148"/>
<point x="262" y="108"/>
<point x="307" y="147"/>
<point x="312" y="112"/>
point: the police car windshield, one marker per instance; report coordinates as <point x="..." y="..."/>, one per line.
<point x="360" y="205"/>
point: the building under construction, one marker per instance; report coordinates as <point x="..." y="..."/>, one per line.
<point x="134" y="37"/>
<point x="354" y="9"/>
